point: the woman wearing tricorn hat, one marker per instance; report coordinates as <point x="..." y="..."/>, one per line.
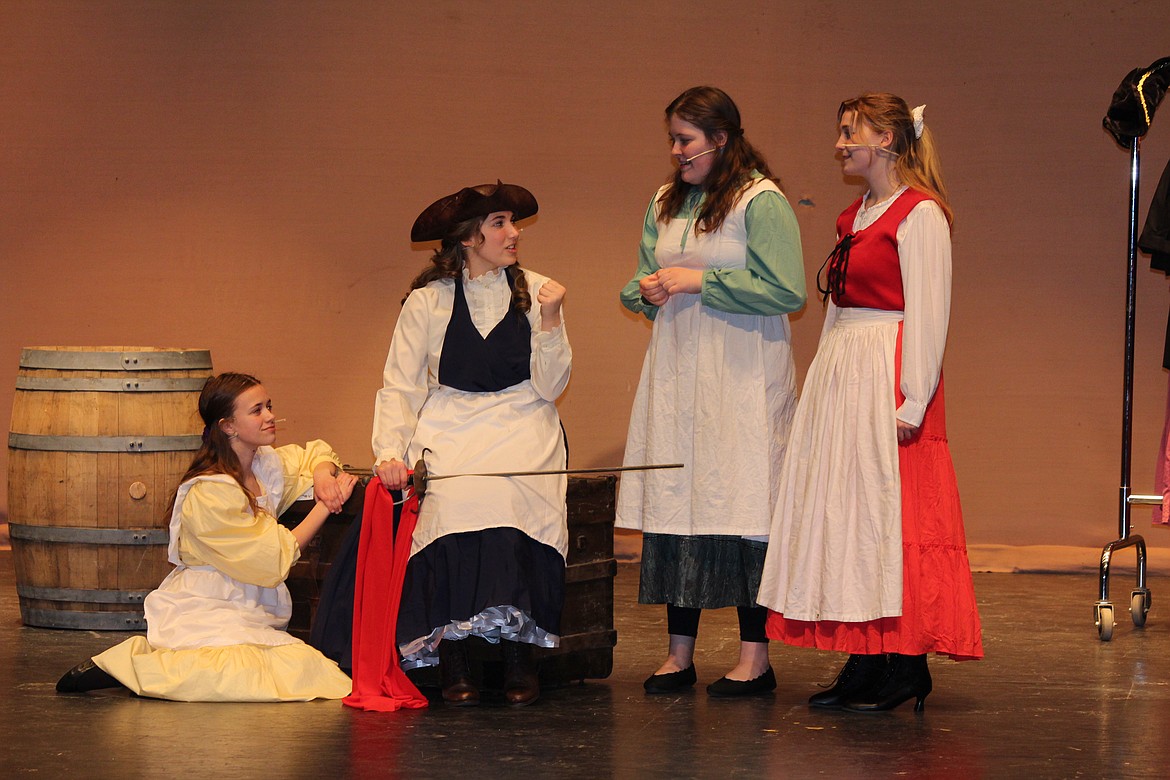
<point x="478" y="357"/>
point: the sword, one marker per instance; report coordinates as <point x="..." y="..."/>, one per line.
<point x="420" y="478"/>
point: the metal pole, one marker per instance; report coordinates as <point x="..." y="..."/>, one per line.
<point x="1130" y="317"/>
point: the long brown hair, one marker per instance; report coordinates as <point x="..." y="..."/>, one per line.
<point x="711" y="110"/>
<point x="917" y="165"/>
<point x="448" y="260"/>
<point x="215" y="455"/>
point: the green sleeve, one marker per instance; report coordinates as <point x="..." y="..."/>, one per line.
<point x="631" y="294"/>
<point x="773" y="280"/>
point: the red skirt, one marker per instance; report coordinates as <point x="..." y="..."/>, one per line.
<point x="939" y="614"/>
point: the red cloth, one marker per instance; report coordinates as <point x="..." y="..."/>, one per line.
<point x="379" y="684"/>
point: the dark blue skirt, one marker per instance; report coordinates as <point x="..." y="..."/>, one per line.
<point x="497" y="584"/>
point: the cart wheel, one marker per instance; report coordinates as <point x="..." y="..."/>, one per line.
<point x="1139" y="606"/>
<point x="1104" y="611"/>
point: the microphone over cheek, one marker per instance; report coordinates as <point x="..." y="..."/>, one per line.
<point x="689" y="160"/>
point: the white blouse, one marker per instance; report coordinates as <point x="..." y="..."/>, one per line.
<point x="412" y="365"/>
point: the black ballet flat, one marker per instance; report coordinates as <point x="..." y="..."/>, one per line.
<point x="86" y="676"/>
<point x="725" y="688"/>
<point x="671" y="681"/>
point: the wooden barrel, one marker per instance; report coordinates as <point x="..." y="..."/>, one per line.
<point x="99" y="439"/>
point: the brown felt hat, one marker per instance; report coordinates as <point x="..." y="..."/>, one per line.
<point x="440" y="217"/>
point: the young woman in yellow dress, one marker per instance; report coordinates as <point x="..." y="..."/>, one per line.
<point x="215" y="626"/>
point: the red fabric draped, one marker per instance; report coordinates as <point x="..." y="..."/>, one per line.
<point x="379" y="684"/>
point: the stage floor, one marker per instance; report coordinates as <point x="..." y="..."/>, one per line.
<point x="1050" y="700"/>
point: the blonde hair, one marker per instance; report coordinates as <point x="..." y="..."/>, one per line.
<point x="917" y="163"/>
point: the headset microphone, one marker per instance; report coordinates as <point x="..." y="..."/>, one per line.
<point x="875" y="148"/>
<point x="689" y="160"/>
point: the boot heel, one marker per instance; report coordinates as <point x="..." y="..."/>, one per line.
<point x="907" y="677"/>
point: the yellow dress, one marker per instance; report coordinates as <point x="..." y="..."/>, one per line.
<point x="215" y="626"/>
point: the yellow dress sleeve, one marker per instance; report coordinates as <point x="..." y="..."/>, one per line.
<point x="218" y="529"/>
<point x="297" y="463"/>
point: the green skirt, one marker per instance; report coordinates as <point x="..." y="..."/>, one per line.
<point x="703" y="572"/>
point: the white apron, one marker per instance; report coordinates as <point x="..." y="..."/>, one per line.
<point x="836" y="546"/>
<point x="200" y="606"/>
<point x="510" y="430"/>
<point x="716" y="393"/>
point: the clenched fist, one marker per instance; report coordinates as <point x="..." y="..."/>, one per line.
<point x="550" y="297"/>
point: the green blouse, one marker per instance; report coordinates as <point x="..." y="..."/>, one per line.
<point x="772" y="282"/>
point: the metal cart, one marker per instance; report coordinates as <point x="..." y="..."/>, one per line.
<point x="1128" y="120"/>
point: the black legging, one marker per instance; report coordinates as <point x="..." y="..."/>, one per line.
<point x="684" y="621"/>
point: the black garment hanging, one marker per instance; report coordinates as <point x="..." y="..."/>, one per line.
<point x="1155" y="240"/>
<point x="478" y="364"/>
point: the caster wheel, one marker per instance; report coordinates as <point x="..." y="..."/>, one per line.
<point x="1104" y="614"/>
<point x="1139" y="606"/>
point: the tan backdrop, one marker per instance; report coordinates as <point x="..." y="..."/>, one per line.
<point x="242" y="176"/>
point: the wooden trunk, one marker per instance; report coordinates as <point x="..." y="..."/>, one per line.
<point x="307" y="575"/>
<point x="99" y="439"/>
<point x="587" y="633"/>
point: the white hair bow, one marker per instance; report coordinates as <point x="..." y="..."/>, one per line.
<point x="919" y="123"/>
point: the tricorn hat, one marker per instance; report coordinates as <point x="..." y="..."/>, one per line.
<point x="1132" y="109"/>
<point x="437" y="219"/>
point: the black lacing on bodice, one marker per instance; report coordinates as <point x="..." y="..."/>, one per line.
<point x="838" y="264"/>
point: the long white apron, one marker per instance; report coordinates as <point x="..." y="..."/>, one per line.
<point x="510" y="430"/>
<point x="836" y="543"/>
<point x="716" y="393"/>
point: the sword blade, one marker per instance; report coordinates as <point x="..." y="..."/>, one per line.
<point x="600" y="470"/>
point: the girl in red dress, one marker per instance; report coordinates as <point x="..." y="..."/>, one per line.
<point x="867" y="552"/>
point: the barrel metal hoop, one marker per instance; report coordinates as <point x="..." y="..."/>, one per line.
<point x="98" y="385"/>
<point x="80" y="535"/>
<point x="93" y="621"/>
<point x="28" y="441"/>
<point x="161" y="360"/>
<point x="84" y="595"/>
